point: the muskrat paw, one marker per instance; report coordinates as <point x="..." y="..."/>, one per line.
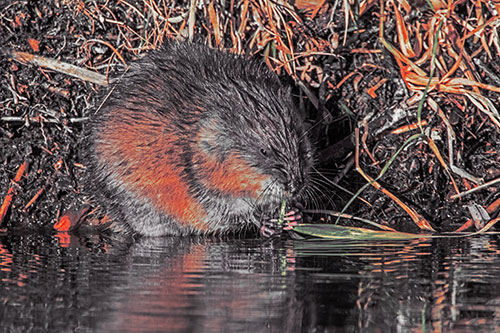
<point x="270" y="227"/>
<point x="292" y="218"/>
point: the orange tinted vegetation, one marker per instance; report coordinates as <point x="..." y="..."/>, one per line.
<point x="34" y="44"/>
<point x="10" y="193"/>
<point x="63" y="224"/>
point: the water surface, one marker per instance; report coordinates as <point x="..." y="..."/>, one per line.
<point x="52" y="283"/>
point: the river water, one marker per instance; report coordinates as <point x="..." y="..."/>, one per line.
<point x="66" y="284"/>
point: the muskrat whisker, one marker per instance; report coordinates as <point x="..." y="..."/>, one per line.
<point x="317" y="172"/>
<point x="314" y="198"/>
<point x="317" y="185"/>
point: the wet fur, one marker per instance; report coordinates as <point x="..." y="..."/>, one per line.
<point x="193" y="141"/>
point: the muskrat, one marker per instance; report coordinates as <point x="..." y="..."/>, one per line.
<point x="193" y="140"/>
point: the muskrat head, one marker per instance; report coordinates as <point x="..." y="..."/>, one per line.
<point x="258" y="148"/>
<point x="278" y="146"/>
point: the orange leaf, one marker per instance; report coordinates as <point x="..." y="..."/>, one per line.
<point x="409" y="127"/>
<point x="404" y="40"/>
<point x="215" y="23"/>
<point x="63" y="224"/>
<point x="243" y="17"/>
<point x="17" y="22"/>
<point x="311" y="7"/>
<point x="372" y="90"/>
<point x="35" y="45"/>
<point x="71" y="218"/>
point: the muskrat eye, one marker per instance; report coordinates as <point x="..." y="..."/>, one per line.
<point x="263" y="152"/>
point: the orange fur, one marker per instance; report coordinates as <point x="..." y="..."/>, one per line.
<point x="234" y="176"/>
<point x="150" y="171"/>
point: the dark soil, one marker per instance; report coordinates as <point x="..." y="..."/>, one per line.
<point x="43" y="112"/>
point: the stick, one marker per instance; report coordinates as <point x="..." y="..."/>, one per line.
<point x="59" y="66"/>
<point x="10" y="192"/>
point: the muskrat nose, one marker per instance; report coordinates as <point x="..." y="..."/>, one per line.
<point x="292" y="189"/>
<point x="292" y="181"/>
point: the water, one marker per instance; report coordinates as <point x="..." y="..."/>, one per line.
<point x="66" y="284"/>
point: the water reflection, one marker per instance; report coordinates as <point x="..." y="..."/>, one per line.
<point x="214" y="285"/>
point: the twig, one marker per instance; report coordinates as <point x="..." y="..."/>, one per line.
<point x="35" y="197"/>
<point x="192" y="19"/>
<point x="59" y="66"/>
<point x="480" y="187"/>
<point x="10" y="192"/>
<point x="40" y="119"/>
